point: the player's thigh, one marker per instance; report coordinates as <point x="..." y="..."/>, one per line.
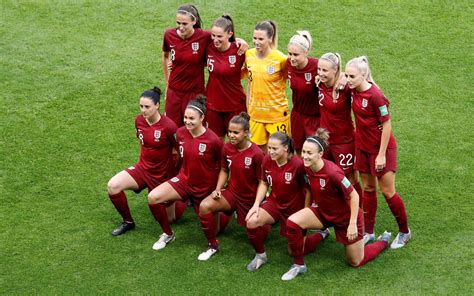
<point x="263" y="218"/>
<point x="306" y="219"/>
<point x="121" y="181"/>
<point x="163" y="193"/>
<point x="211" y="205"/>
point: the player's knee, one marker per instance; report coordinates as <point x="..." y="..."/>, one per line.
<point x="369" y="188"/>
<point x="354" y="262"/>
<point x="113" y="187"/>
<point x="205" y="207"/>
<point x="153" y="198"/>
<point x="252" y="223"/>
<point x="388" y="193"/>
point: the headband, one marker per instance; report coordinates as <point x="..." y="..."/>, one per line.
<point x="331" y="61"/>
<point x="301" y="41"/>
<point x="187" y="12"/>
<point x="197" y="108"/>
<point x="314" y="140"/>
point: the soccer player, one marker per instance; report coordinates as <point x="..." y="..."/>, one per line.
<point x="284" y="174"/>
<point x="155" y="133"/>
<point x="267" y="73"/>
<point x="376" y="156"/>
<point x="200" y="154"/>
<point x="225" y="94"/>
<point x="241" y="167"/>
<point x="184" y="59"/>
<point x="336" y="117"/>
<point x="336" y="204"/>
<point x="302" y="71"/>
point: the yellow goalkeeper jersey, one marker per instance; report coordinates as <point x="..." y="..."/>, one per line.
<point x="267" y="101"/>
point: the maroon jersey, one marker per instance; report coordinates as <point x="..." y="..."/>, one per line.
<point x="330" y="190"/>
<point x="200" y="160"/>
<point x="336" y="115"/>
<point x="157" y="142"/>
<point x="287" y="183"/>
<point x="224" y="91"/>
<point x="188" y="57"/>
<point x="304" y="90"/>
<point x="245" y="169"/>
<point x="370" y="110"/>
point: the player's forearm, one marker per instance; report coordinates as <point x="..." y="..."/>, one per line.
<point x="354" y="204"/>
<point x="164" y="64"/>
<point x="386" y="132"/>
<point x="222" y="179"/>
<point x="261" y="192"/>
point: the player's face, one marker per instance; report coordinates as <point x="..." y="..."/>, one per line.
<point x="310" y="154"/>
<point x="276" y="150"/>
<point x="326" y="72"/>
<point x="298" y="57"/>
<point x="220" y="38"/>
<point x="192" y="119"/>
<point x="184" y="24"/>
<point x="354" y="77"/>
<point x="236" y="133"/>
<point x="147" y="107"/>
<point x="261" y="41"/>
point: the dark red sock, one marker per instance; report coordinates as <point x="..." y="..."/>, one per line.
<point x="359" y="191"/>
<point x="294" y="234"/>
<point x="257" y="239"/>
<point x="209" y="228"/>
<point x="397" y="206"/>
<point x="120" y="202"/>
<point x="371" y="251"/>
<point x="223" y="221"/>
<point x="311" y="242"/>
<point x="179" y="209"/>
<point x="369" y="204"/>
<point x="159" y="212"/>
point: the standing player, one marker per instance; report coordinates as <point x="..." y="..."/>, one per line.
<point x="336" y="205"/>
<point x="302" y="71"/>
<point x="225" y="94"/>
<point x="284" y="173"/>
<point x="242" y="161"/>
<point x="184" y="60"/>
<point x="155" y="132"/>
<point x="376" y="156"/>
<point x="200" y="151"/>
<point x="267" y="73"/>
<point x="336" y="117"/>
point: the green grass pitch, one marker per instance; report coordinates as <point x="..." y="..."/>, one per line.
<point x="70" y="76"/>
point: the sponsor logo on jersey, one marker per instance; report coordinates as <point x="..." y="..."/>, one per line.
<point x="383" y="110"/>
<point x="308" y="76"/>
<point x="288" y="177"/>
<point x="248" y="161"/>
<point x="232" y="59"/>
<point x="174" y="179"/>
<point x="195" y="46"/>
<point x="202" y="147"/>
<point x="271" y="69"/>
<point x="364" y="103"/>
<point x="267" y="172"/>
<point x="346" y="182"/>
<point x="322" y="183"/>
<point x="157" y="135"/>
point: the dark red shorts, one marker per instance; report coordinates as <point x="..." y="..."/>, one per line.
<point x="186" y="193"/>
<point x="343" y="155"/>
<point x="218" y="122"/>
<point x="341" y="228"/>
<point x="302" y="126"/>
<point x="278" y="215"/>
<point x="176" y="102"/>
<point x="237" y="205"/>
<point x="365" y="162"/>
<point x="143" y="178"/>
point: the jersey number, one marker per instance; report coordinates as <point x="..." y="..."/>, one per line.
<point x="282" y="128"/>
<point x="210" y="65"/>
<point x="346" y="158"/>
<point x="173" y="54"/>
<point x="269" y="180"/>
<point x="181" y="151"/>
<point x="140" y="137"/>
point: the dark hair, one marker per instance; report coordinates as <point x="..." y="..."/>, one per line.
<point x="191" y="10"/>
<point x="154" y="94"/>
<point x="199" y="104"/>
<point x="225" y="22"/>
<point x="270" y="28"/>
<point x="320" y="139"/>
<point x="285" y="140"/>
<point x="242" y="119"/>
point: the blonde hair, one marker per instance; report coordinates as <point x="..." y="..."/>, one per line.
<point x="362" y="64"/>
<point x="302" y="39"/>
<point x="336" y="62"/>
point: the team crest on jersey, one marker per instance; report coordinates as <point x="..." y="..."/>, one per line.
<point x="247" y="161"/>
<point x="157" y="135"/>
<point x="365" y="103"/>
<point x="232" y="59"/>
<point x="308" y="76"/>
<point x="195" y="46"/>
<point x="271" y="69"/>
<point x="288" y="177"/>
<point x="202" y="147"/>
<point x="322" y="182"/>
